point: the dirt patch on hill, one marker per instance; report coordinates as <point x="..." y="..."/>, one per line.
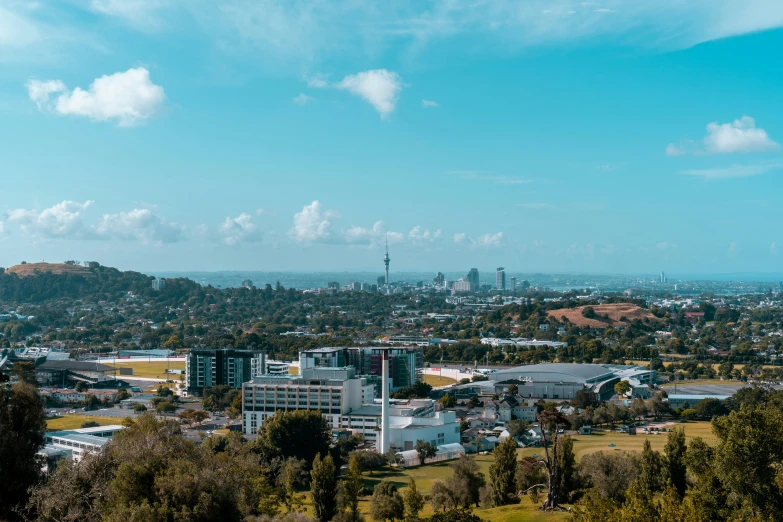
<point x="29" y="269"/>
<point x="616" y="314"/>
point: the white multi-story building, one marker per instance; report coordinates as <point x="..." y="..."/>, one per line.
<point x="79" y="442"/>
<point x="332" y="391"/>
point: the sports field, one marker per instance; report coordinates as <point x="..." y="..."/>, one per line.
<point x="437" y="380"/>
<point x="70" y="422"/>
<point x="152" y="369"/>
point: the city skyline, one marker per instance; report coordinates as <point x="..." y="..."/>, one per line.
<point x="570" y="138"/>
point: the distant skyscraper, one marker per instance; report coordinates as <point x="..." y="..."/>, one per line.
<point x="158" y="284"/>
<point x="500" y="279"/>
<point x="386" y="261"/>
<point x="663" y="277"/>
<point x="514" y="285"/>
<point x="473" y="279"/>
<point x="439" y="281"/>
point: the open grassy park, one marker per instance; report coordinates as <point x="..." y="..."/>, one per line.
<point x="70" y="422"/>
<point x="152" y="369"/>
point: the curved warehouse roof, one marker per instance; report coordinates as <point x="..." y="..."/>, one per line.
<point x="557" y="372"/>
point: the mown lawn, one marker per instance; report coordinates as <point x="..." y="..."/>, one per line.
<point x="437" y="380"/>
<point x="70" y="422"/>
<point x="152" y="369"/>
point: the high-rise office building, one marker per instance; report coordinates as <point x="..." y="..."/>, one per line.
<point x="209" y="368"/>
<point x="439" y="281"/>
<point x="473" y="279"/>
<point x="404" y="362"/>
<point x="514" y="285"/>
<point x="500" y="279"/>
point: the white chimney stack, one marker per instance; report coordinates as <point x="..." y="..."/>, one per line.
<point x="385" y="440"/>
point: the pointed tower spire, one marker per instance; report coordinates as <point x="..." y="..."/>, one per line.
<point x="386" y="260"/>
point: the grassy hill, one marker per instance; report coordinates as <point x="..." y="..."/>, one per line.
<point x="615" y="314"/>
<point x="30" y="269"/>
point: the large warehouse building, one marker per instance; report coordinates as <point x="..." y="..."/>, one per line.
<point x="561" y="381"/>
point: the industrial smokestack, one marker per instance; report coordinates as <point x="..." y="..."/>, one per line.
<point x="385" y="439"/>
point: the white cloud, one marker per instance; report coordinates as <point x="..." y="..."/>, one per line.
<point x="17" y="30"/>
<point x="376" y="235"/>
<point x="310" y="30"/>
<point x="317" y="81"/>
<point x="2" y="227"/>
<point x="140" y="224"/>
<point x="142" y="14"/>
<point x="420" y="234"/>
<point x="313" y="224"/>
<point x="489" y="240"/>
<point x="483" y="241"/>
<point x="64" y="220"/>
<point x="240" y="229"/>
<point x="739" y="136"/>
<point x="128" y="97"/>
<point x="429" y="104"/>
<point x="673" y="149"/>
<point x="734" y="171"/>
<point x="379" y="87"/>
<point x="67" y="220"/>
<point x="303" y="99"/>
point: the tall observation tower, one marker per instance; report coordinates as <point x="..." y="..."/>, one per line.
<point x="386" y="260"/>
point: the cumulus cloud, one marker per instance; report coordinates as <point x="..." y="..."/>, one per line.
<point x="428" y="104"/>
<point x="489" y="240"/>
<point x="379" y="87"/>
<point x="65" y="220"/>
<point x="313" y="224"/>
<point x="739" y="136"/>
<point x="303" y="99"/>
<point x="483" y="241"/>
<point x="129" y="97"/>
<point x="371" y="236"/>
<point x="240" y="229"/>
<point x="420" y="234"/>
<point x="140" y="224"/>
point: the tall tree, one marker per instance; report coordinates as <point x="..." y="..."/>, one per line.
<point x="352" y="487"/>
<point x="466" y="481"/>
<point x="649" y="468"/>
<point x="22" y="428"/>
<point x="425" y="451"/>
<point x="674" y="460"/>
<point x="502" y="472"/>
<point x="414" y="501"/>
<point x="323" y="488"/>
<point x="566" y="468"/>
<point x="386" y="503"/>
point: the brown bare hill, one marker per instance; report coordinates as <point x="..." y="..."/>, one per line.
<point x="619" y="314"/>
<point x="29" y="269"/>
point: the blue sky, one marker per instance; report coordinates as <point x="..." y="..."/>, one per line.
<point x="543" y="135"/>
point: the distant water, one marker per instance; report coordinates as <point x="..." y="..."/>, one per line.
<point x="560" y="282"/>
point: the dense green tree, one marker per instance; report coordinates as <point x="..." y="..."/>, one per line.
<point x="22" y="429"/>
<point x="425" y="451"/>
<point x="622" y="387"/>
<point x="302" y="434"/>
<point x="465" y="481"/>
<point x="649" y="478"/>
<point x="502" y="473"/>
<point x="386" y="503"/>
<point x="414" y="501"/>
<point x="674" y="464"/>
<point x="566" y="468"/>
<point x="351" y="491"/>
<point x="323" y="488"/>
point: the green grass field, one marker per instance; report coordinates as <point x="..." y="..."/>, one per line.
<point x="69" y="422"/>
<point x="153" y="369"/>
<point x="437" y="380"/>
<point x="711" y="382"/>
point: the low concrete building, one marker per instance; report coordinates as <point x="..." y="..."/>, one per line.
<point x="690" y="401"/>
